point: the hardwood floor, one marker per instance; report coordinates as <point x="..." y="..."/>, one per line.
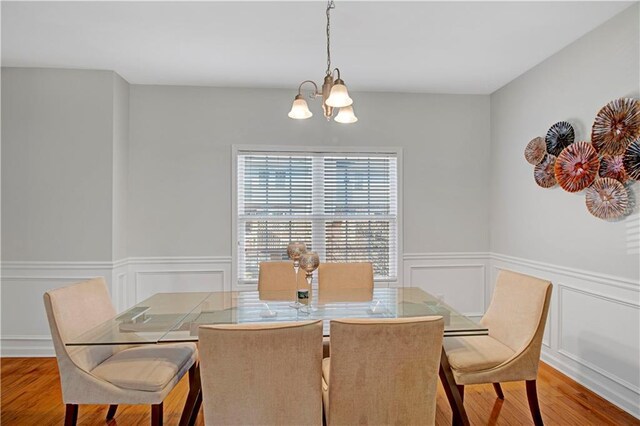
<point x="31" y="396"/>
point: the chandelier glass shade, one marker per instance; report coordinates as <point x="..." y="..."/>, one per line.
<point x="300" y="109"/>
<point x="346" y="115"/>
<point x="334" y="92"/>
<point x="339" y="96"/>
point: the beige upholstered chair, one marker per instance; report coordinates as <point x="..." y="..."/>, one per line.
<point x="108" y="374"/>
<point x="382" y="372"/>
<point x="516" y="320"/>
<point x="277" y="276"/>
<point x="333" y="276"/>
<point x="262" y="374"/>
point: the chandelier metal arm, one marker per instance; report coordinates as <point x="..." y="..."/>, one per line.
<point x="315" y="93"/>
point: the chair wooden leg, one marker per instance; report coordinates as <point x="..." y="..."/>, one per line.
<point x="112" y="411"/>
<point x="461" y="390"/>
<point x="532" y="396"/>
<point x="71" y="415"/>
<point x="156" y="414"/>
<point x="498" y="390"/>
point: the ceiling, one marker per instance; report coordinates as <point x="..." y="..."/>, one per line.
<point x="438" y="47"/>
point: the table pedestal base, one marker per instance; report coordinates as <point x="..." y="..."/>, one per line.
<point x="194" y="398"/>
<point x="453" y="394"/>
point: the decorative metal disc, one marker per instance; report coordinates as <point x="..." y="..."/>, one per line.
<point x="611" y="166"/>
<point x="559" y="136"/>
<point x="616" y="126"/>
<point x="577" y="166"/>
<point x="607" y="199"/>
<point x="535" y="151"/>
<point x="543" y="173"/>
<point x="631" y="160"/>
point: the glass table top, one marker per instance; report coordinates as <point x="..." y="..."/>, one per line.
<point x="175" y="317"/>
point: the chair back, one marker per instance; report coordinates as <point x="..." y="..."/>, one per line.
<point x="72" y="311"/>
<point x="336" y="276"/>
<point x="518" y="311"/>
<point x="262" y="374"/>
<point x="278" y="276"/>
<point x="384" y="371"/>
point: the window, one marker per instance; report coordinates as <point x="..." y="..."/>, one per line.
<point x="342" y="205"/>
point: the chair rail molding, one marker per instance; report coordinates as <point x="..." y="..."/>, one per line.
<point x="611" y="280"/>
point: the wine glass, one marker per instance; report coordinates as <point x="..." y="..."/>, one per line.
<point x="295" y="249"/>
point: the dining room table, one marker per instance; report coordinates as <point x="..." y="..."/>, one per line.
<point x="176" y="317"/>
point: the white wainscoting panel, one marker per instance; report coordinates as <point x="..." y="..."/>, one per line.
<point x="148" y="276"/>
<point x="150" y="282"/>
<point x="459" y="278"/>
<point x="25" y="330"/>
<point x="586" y="338"/>
<point x="593" y="328"/>
<point x="119" y="287"/>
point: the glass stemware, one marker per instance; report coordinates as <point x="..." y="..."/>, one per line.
<point x="309" y="262"/>
<point x="295" y="250"/>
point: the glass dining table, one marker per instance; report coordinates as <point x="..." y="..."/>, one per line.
<point x="176" y="317"/>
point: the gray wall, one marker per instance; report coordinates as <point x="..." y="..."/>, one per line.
<point x="180" y="162"/>
<point x="94" y="169"/>
<point x="65" y="146"/>
<point x="553" y="225"/>
<point x="56" y="164"/>
<point x="120" y="165"/>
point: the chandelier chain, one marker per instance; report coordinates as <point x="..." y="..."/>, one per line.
<point x="330" y="5"/>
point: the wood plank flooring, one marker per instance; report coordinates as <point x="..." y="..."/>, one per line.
<point x="31" y="395"/>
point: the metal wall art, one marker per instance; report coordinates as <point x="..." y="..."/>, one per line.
<point x="577" y="166"/>
<point x="631" y="160"/>
<point x="604" y="167"/>
<point x="611" y="166"/>
<point x="607" y="199"/>
<point x="544" y="173"/>
<point x="616" y="126"/>
<point x="535" y="151"/>
<point x="559" y="136"/>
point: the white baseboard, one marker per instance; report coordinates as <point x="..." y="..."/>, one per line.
<point x="27" y="346"/>
<point x="610" y="374"/>
<point x="609" y="393"/>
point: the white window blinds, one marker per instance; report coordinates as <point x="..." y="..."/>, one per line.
<point x="344" y="206"/>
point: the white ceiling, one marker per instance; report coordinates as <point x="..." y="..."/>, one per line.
<point x="439" y="47"/>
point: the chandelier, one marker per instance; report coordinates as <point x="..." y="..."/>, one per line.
<point x="334" y="93"/>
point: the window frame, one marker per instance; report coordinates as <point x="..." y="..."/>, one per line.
<point x="345" y="150"/>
